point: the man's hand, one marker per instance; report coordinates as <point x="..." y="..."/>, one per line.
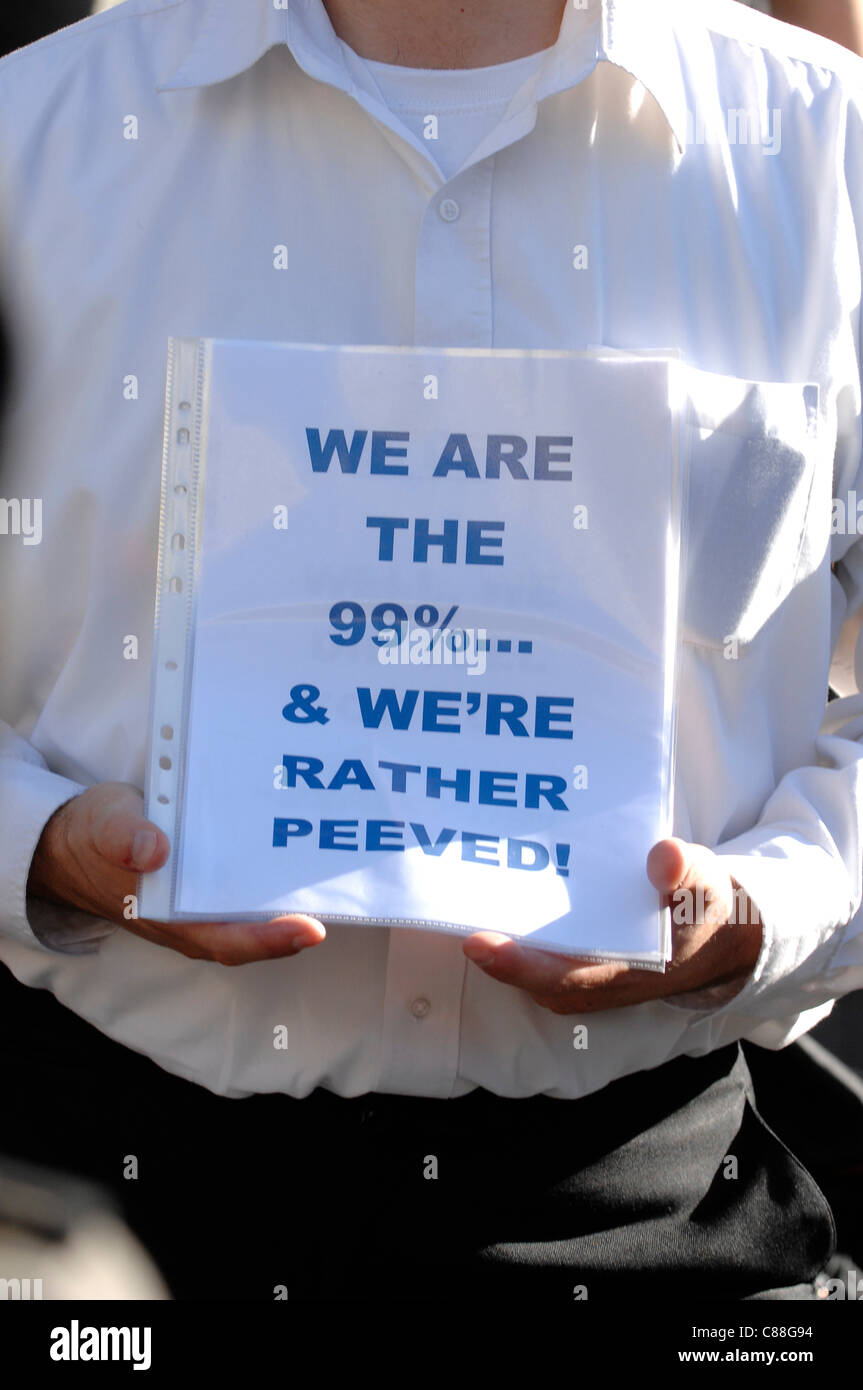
<point x="90" y="854"/>
<point x="712" y="950"/>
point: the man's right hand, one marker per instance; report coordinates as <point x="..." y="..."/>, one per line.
<point x="89" y="857"/>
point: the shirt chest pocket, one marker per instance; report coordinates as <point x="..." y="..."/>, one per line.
<point x="750" y="452"/>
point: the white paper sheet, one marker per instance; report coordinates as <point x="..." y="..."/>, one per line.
<point x="528" y="660"/>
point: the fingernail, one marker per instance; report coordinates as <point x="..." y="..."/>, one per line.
<point x="143" y="847"/>
<point x="305" y="938"/>
<point x="480" y="955"/>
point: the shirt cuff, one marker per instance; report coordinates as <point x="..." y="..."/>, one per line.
<point x="29" y="796"/>
<point x="802" y="897"/>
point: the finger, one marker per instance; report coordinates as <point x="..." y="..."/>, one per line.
<point x="538" y="972"/>
<point x="241" y="943"/>
<point x="621" y="995"/>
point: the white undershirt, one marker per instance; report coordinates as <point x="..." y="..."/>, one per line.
<point x="467" y="103"/>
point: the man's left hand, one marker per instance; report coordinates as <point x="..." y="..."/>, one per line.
<point x="717" y="940"/>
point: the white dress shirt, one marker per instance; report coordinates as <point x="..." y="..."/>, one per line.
<point x="151" y="160"/>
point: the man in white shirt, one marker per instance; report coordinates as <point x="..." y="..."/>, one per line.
<point x="152" y="159"/>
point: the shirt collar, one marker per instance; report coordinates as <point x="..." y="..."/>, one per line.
<point x="232" y="35"/>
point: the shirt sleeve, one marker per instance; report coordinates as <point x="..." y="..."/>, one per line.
<point x="802" y="863"/>
<point x="29" y="795"/>
<point x="30" y="792"/>
<point x="802" y="866"/>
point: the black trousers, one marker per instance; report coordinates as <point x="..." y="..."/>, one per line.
<point x="667" y="1183"/>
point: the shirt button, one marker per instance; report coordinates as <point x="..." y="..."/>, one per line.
<point x="420" y="1007"/>
<point x="449" y="209"/>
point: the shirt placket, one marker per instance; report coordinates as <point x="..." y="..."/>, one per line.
<point x="452" y="308"/>
<point x="452" y="286"/>
<point x="421" y="1013"/>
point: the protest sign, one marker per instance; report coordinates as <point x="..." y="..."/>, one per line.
<point x="416" y="619"/>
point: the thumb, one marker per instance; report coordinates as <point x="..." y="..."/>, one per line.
<point x="123" y="836"/>
<point x="149" y="848"/>
<point x="667" y="864"/>
<point x="674" y="866"/>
